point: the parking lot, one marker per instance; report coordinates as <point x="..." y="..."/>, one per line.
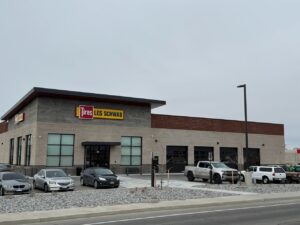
<point x="132" y="181"/>
<point x="134" y="189"/>
<point x="180" y="181"/>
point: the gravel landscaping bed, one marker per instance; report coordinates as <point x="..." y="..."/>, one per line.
<point x="100" y="197"/>
<point x="256" y="188"/>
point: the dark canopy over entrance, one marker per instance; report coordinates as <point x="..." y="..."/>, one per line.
<point x="97" y="154"/>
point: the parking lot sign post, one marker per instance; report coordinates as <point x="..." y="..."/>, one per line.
<point x="154" y="168"/>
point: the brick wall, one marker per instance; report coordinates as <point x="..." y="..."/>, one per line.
<point x="218" y="125"/>
<point x="3" y="127"/>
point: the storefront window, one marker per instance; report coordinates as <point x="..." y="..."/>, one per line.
<point x="60" y="150"/>
<point x="19" y="151"/>
<point x="28" y="150"/>
<point x="11" y="151"/>
<point x="131" y="151"/>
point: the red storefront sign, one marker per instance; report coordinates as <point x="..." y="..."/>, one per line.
<point x="86" y="112"/>
<point x="298" y="150"/>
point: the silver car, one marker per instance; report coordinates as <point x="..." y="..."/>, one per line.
<point x="53" y="180"/>
<point x="14" y="183"/>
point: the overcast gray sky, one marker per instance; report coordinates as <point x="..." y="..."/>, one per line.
<point x="192" y="54"/>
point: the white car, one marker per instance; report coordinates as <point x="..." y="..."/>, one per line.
<point x="53" y="180"/>
<point x="267" y="174"/>
<point x="242" y="173"/>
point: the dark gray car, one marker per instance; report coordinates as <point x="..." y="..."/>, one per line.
<point x="14" y="183"/>
<point x="5" y="167"/>
<point x="99" y="177"/>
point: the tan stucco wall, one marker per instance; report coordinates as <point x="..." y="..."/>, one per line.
<point x="20" y="132"/>
<point x="271" y="146"/>
<point x="4" y="145"/>
<point x="154" y="140"/>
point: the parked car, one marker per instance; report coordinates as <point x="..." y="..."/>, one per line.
<point x="99" y="177"/>
<point x="267" y="174"/>
<point x="53" y="180"/>
<point x="5" y="167"/>
<point x="293" y="174"/>
<point x="13" y="183"/>
<point x="220" y="172"/>
<point x="242" y="173"/>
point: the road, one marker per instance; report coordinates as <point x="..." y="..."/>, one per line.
<point x="265" y="213"/>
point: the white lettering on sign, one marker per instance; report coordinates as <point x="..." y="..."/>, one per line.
<point x="86" y="112"/>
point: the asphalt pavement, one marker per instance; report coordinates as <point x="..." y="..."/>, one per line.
<point x="262" y="213"/>
<point x="137" y="180"/>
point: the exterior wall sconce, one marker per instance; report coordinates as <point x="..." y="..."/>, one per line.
<point x="218" y="143"/>
<point x="263" y="145"/>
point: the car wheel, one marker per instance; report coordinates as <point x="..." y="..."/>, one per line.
<point x="82" y="183"/>
<point x="96" y="184"/>
<point x="204" y="180"/>
<point x="289" y="180"/>
<point x="116" y="186"/>
<point x="265" y="180"/>
<point x="190" y="176"/>
<point x="46" y="188"/>
<point x="217" y="179"/>
<point x="1" y="191"/>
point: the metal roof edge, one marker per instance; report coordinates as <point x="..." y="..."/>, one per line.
<point x="39" y="91"/>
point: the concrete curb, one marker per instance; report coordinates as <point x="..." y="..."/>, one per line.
<point x="75" y="213"/>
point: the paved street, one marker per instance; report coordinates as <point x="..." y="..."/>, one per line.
<point x="266" y="213"/>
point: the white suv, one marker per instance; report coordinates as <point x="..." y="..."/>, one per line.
<point x="268" y="174"/>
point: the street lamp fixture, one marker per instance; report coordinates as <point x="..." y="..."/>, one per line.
<point x="245" y="109"/>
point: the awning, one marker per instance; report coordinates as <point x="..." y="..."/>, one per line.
<point x="93" y="143"/>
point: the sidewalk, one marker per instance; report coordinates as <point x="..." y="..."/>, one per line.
<point x="43" y="216"/>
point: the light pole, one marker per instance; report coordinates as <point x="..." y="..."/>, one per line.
<point x="245" y="109"/>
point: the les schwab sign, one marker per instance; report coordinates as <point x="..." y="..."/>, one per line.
<point x="89" y="112"/>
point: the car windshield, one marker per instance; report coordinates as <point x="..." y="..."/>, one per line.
<point x="103" y="171"/>
<point x="13" y="176"/>
<point x="55" y="173"/>
<point x="219" y="165"/>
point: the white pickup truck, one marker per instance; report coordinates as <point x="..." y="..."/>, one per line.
<point x="220" y="172"/>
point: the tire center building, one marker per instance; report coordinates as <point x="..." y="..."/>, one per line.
<point x="71" y="130"/>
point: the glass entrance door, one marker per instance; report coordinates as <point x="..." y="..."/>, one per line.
<point x="97" y="156"/>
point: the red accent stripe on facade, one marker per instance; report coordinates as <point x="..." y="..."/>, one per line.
<point x="3" y="127"/>
<point x="218" y="125"/>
